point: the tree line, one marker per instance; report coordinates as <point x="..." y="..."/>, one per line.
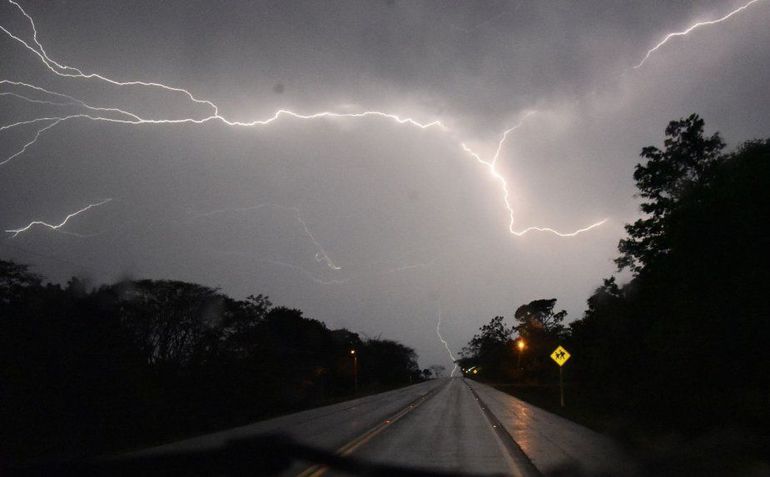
<point x="683" y="346"/>
<point x="85" y="371"/>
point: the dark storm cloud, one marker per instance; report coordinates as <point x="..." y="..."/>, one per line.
<point x="412" y="221"/>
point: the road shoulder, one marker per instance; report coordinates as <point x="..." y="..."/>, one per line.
<point x="552" y="442"/>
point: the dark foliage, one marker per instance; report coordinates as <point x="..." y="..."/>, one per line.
<point x="682" y="346"/>
<point x="139" y="362"/>
<point x="681" y="350"/>
<point x="489" y="350"/>
<point x="497" y="355"/>
<point x="667" y="178"/>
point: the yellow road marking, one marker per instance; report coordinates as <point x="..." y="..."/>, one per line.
<point x="347" y="449"/>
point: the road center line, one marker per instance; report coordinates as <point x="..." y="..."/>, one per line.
<point x="348" y="448"/>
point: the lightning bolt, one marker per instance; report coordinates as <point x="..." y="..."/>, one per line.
<point x="412" y="266"/>
<point x="94" y="113"/>
<point x="21" y="151"/>
<point x="320" y="256"/>
<point x="446" y="345"/>
<point x="314" y="277"/>
<point x="16" y="232"/>
<point x="691" y="28"/>
<point x="32" y="100"/>
<point x="280" y="263"/>
<point x="491" y="167"/>
<point x="70" y="100"/>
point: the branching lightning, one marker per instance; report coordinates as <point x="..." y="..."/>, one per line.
<point x="70" y="100"/>
<point x="210" y="113"/>
<point x="122" y="116"/>
<point x="317" y="279"/>
<point x="491" y="165"/>
<point x="283" y="264"/>
<point x="30" y="143"/>
<point x="691" y="28"/>
<point x="320" y="256"/>
<point x="16" y="232"/>
<point x="446" y="345"/>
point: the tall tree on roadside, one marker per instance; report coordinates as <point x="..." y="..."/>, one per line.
<point x="542" y="329"/>
<point x="538" y="318"/>
<point x="668" y="175"/>
<point x="682" y="339"/>
<point x="490" y="348"/>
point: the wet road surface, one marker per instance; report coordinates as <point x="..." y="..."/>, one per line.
<point x="447" y="432"/>
<point x="451" y="424"/>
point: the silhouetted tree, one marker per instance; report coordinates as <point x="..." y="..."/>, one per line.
<point x="172" y="321"/>
<point x="387" y="362"/>
<point x="542" y="330"/>
<point x="538" y="318"/>
<point x="680" y="341"/>
<point x="85" y="371"/>
<point x="15" y="279"/>
<point x="665" y="179"/>
<point x="490" y="349"/>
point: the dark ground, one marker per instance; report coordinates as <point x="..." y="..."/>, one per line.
<point x="725" y="452"/>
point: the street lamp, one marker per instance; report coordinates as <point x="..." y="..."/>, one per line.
<point x="520" y="345"/>
<point x="355" y="370"/>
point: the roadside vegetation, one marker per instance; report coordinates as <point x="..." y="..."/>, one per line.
<point x="675" y="360"/>
<point x="86" y="371"/>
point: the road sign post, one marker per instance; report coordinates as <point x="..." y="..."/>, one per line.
<point x="560" y="356"/>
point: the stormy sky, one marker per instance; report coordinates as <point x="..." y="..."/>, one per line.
<point x="363" y="223"/>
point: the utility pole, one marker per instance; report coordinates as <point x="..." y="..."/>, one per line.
<point x="355" y="370"/>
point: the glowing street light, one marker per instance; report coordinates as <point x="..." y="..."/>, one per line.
<point x="520" y="345"/>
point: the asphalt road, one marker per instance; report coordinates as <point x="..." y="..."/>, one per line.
<point x="454" y="425"/>
<point x="328" y="427"/>
<point x="449" y="432"/>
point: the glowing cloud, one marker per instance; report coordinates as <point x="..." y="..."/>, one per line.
<point x="122" y="116"/>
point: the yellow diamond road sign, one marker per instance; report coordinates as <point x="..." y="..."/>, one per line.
<point x="560" y="355"/>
